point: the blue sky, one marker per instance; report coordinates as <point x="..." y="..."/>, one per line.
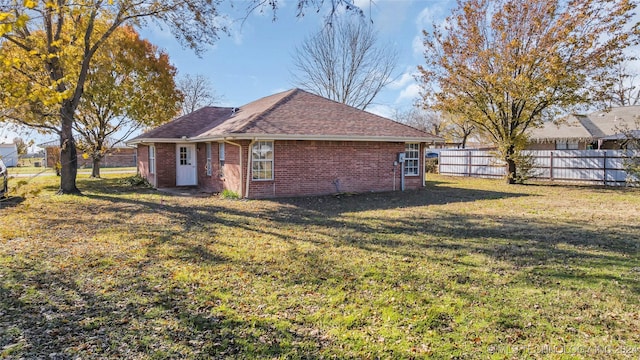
<point x="255" y="60"/>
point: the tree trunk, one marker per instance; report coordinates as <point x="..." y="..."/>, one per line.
<point x="511" y="171"/>
<point x="511" y="165"/>
<point x="68" y="154"/>
<point x="95" y="172"/>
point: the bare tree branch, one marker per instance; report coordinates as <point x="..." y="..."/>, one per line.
<point x="344" y="63"/>
<point x="197" y="91"/>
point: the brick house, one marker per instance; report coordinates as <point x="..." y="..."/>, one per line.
<point x="119" y="155"/>
<point x="292" y="143"/>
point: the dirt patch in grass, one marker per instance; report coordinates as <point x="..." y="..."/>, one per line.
<point x="465" y="268"/>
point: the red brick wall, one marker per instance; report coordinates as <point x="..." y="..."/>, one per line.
<point x="234" y="178"/>
<point x="213" y="182"/>
<point x="300" y="168"/>
<point x="165" y="165"/>
<point x="326" y="167"/>
<point x="120" y="157"/>
<point x="143" y="164"/>
<point x="53" y="155"/>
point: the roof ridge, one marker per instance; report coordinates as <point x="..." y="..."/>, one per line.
<point x="286" y="95"/>
<point x="179" y="118"/>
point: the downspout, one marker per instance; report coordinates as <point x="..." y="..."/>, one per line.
<point x="240" y="166"/>
<point x="424" y="164"/>
<point x="402" y="175"/>
<point x="246" y="193"/>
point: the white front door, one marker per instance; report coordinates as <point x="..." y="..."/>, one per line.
<point x="186" y="165"/>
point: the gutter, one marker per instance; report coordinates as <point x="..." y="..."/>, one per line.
<point x="256" y="137"/>
<point x="329" y="138"/>
<point x="422" y="157"/>
<point x="146" y="141"/>
<point x="240" y="152"/>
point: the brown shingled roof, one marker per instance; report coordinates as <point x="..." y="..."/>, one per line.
<point x="293" y="114"/>
<point x="190" y="125"/>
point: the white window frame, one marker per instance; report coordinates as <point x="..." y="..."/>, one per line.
<point x="412" y="159"/>
<point x="208" y="164"/>
<point x="256" y="174"/>
<point x="152" y="159"/>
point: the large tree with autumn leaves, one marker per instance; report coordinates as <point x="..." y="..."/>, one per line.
<point x="56" y="43"/>
<point x="63" y="36"/>
<point x="505" y="64"/>
<point x="130" y="85"/>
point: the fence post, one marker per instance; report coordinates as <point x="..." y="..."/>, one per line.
<point x="551" y="166"/>
<point x="604" y="168"/>
<point x="469" y="163"/>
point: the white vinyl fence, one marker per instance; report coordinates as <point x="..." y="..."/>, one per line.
<point x="598" y="167"/>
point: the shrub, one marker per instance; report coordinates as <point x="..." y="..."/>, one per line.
<point x="431" y="165"/>
<point x="631" y="161"/>
<point x="136" y="180"/>
<point x="631" y="164"/>
<point x="525" y="166"/>
<point x="229" y="194"/>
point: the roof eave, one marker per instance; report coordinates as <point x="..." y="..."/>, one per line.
<point x="223" y="137"/>
<point x="143" y="141"/>
<point x="320" y="138"/>
<point x="560" y="138"/>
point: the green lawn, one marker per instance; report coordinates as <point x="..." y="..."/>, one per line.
<point x="466" y="268"/>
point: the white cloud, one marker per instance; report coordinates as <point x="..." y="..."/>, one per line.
<point x="433" y="14"/>
<point x="234" y="27"/>
<point x="409" y="94"/>
<point x="427" y="16"/>
<point x="418" y="45"/>
<point x="403" y="80"/>
<point x="381" y="110"/>
<point x="362" y="4"/>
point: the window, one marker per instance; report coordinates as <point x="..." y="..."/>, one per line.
<point x="184" y="155"/>
<point x="208" y="164"/>
<point x="567" y="145"/>
<point x="411" y="159"/>
<point x="152" y="159"/>
<point x="262" y="160"/>
<point x="221" y="158"/>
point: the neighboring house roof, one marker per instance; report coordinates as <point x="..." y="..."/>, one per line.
<point x="603" y="125"/>
<point x="50" y="143"/>
<point x="9" y="146"/>
<point x="294" y="114"/>
<point x="635" y="134"/>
